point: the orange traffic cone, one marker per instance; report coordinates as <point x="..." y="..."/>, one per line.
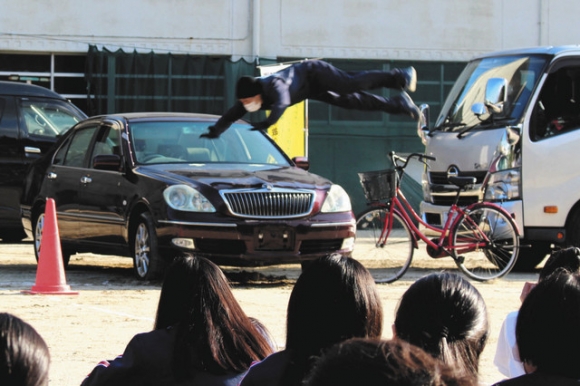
<point x="50" y="279"/>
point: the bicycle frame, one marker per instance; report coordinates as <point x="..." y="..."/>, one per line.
<point x="482" y="238"/>
<point x="444" y="244"/>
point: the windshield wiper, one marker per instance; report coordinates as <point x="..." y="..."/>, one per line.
<point x="452" y="124"/>
<point x="483" y="123"/>
<point x="445" y="126"/>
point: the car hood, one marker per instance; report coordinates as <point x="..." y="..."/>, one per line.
<point x="236" y="176"/>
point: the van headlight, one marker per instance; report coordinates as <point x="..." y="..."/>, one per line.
<point x="503" y="186"/>
<point x="426" y="190"/>
<point x="186" y="198"/>
<point x="337" y="200"/>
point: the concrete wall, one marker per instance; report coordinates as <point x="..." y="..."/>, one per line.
<point x="449" y="30"/>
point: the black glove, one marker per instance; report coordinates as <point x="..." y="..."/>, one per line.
<point x="263" y="126"/>
<point x="212" y="133"/>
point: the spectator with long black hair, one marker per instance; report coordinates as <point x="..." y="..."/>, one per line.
<point x="334" y="299"/>
<point x="446" y="316"/>
<point x="201" y="335"/>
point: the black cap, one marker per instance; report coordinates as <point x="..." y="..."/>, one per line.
<point x="247" y="87"/>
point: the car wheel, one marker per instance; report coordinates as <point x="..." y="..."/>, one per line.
<point x="37" y="232"/>
<point x="146" y="260"/>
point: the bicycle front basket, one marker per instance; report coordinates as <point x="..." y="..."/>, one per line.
<point x="379" y="185"/>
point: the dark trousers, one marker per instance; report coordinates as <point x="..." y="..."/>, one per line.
<point x="347" y="89"/>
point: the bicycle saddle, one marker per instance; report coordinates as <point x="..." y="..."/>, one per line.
<point x="461" y="181"/>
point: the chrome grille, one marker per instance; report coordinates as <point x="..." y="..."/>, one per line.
<point x="440" y="178"/>
<point x="269" y="203"/>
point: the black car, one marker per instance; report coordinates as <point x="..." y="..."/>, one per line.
<point x="31" y="119"/>
<point x="147" y="185"/>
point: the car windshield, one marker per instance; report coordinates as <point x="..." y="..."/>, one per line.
<point x="521" y="72"/>
<point x="48" y="118"/>
<point x="158" y="142"/>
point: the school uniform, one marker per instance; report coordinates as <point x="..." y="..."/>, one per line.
<point x="147" y="361"/>
<point x="318" y="80"/>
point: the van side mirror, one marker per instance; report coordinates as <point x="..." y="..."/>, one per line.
<point x="423" y="130"/>
<point x="110" y="162"/>
<point x="301" y="162"/>
<point x="496" y="94"/>
<point x="424" y="117"/>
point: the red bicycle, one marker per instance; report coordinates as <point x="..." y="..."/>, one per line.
<point x="482" y="238"/>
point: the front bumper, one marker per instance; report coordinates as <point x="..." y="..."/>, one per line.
<point x="256" y="243"/>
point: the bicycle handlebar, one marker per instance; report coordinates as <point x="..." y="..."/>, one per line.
<point x="402" y="162"/>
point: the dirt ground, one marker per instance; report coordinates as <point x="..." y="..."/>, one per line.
<point x="111" y="306"/>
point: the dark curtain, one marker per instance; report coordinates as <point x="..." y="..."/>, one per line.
<point x="121" y="81"/>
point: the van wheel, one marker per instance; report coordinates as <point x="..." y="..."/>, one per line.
<point x="305" y="264"/>
<point x="37" y="232"/>
<point x="147" y="263"/>
<point x="573" y="230"/>
<point x="531" y="254"/>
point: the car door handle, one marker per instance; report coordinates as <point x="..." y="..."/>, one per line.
<point x="32" y="150"/>
<point x="86" y="180"/>
<point x="51" y="176"/>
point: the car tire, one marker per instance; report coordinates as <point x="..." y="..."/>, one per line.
<point x="37" y="238"/>
<point x="147" y="263"/>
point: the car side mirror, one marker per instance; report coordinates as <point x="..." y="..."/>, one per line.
<point x="110" y="162"/>
<point x="301" y="162"/>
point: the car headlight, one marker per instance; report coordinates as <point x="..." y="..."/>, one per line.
<point x="336" y="201"/>
<point x="503" y="185"/>
<point x="186" y="198"/>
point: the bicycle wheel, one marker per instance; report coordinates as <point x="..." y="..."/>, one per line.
<point x="485" y="260"/>
<point x="389" y="261"/>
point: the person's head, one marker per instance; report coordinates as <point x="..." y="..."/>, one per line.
<point x="335" y="298"/>
<point x="445" y="315"/>
<point x="547" y="332"/>
<point x="249" y="92"/>
<point x="568" y="259"/>
<point x="197" y="300"/>
<point x="24" y="355"/>
<point x="374" y="362"/>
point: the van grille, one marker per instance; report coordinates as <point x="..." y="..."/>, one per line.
<point x="440" y="178"/>
<point x="269" y="203"/>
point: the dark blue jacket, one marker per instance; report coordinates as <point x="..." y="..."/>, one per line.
<point x="280" y="90"/>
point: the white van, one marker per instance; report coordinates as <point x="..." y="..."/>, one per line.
<point x="512" y="120"/>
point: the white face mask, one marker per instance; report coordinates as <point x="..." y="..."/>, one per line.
<point x="252" y="107"/>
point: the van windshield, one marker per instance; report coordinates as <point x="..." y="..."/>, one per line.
<point x="522" y="73"/>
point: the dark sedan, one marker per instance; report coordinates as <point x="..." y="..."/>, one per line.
<point x="146" y="185"/>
